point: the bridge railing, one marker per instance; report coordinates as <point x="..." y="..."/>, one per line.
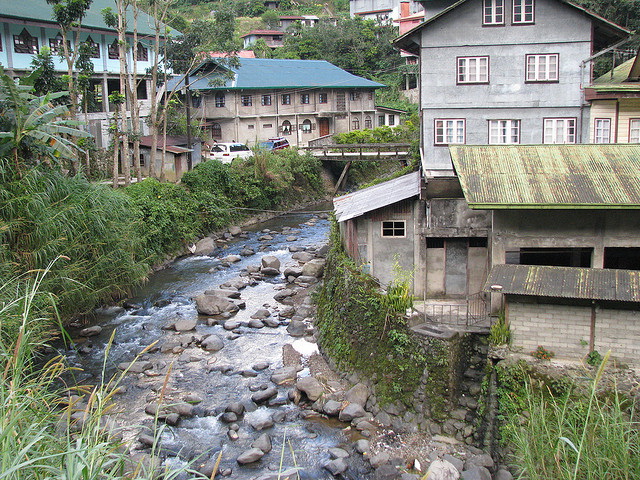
<point x="361" y="151"/>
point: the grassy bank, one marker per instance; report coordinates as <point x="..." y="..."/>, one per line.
<point x="106" y="240"/>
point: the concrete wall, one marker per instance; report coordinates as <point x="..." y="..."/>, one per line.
<point x="515" y="229"/>
<point x="256" y="123"/>
<point x="564" y="329"/>
<point x="558" y="29"/>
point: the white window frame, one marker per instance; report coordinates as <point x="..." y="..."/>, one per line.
<point x="559" y="130"/>
<point x="393" y="228"/>
<point x="493" y="12"/>
<point x="305" y="98"/>
<point x="472" y="70"/>
<point x="265" y="100"/>
<point x="523" y="12"/>
<point x="453" y="131"/>
<point x="542" y="67"/>
<point x="602" y="130"/>
<point x="634" y="130"/>
<point x="504" y="132"/>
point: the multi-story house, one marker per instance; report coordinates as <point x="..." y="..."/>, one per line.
<point x="615" y="105"/>
<point x="263" y="98"/>
<point x="273" y="38"/>
<point x="28" y="25"/>
<point x="383" y="11"/>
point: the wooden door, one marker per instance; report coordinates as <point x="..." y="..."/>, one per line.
<point x="323" y="126"/>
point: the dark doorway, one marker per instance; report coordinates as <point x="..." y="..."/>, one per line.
<point x="556" y="257"/>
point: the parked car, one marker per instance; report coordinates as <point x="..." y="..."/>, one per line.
<point x="277" y="143"/>
<point x="226" y="152"/>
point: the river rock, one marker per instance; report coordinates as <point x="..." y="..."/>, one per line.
<point x="260" y="366"/>
<point x="386" y="472"/>
<point x="235" y="230"/>
<point x="359" y="394"/>
<point x="351" y="411"/>
<point x="235" y="407"/>
<point x="362" y="446"/>
<point x="247" y="252"/>
<point x="270" y="272"/>
<point x="314" y="268"/>
<point x="250" y="456"/>
<point x="287" y="311"/>
<point x="206" y="246"/>
<point x="212" y="343"/>
<point x="229" y="292"/>
<point x="306" y="279"/>
<point x="292" y="271"/>
<point x="182" y="408"/>
<point x="379" y="459"/>
<point x="91" y="331"/>
<point x="172" y="419"/>
<point x="231" y="324"/>
<point x="261" y="423"/>
<point x="297" y="328"/>
<point x="503" y="474"/>
<point x="238" y="283"/>
<point x="261" y="314"/>
<point x="228" y="417"/>
<point x="264" y="395"/>
<point x="255" y="323"/>
<point x="336" y="452"/>
<point x="263" y="442"/>
<point x="185" y="324"/>
<point x="302" y="257"/>
<point x="271" y="322"/>
<point x="291" y="238"/>
<point x="284" y="375"/>
<point x="285" y="293"/>
<point x="232" y="258"/>
<point x="136" y="367"/>
<point x="476" y="473"/>
<point x="289" y="474"/>
<point x="270" y="261"/>
<point x="192" y="398"/>
<point x="312" y="388"/>
<point x="214" y="305"/>
<point x="336" y="467"/>
<point x="332" y="408"/>
<point x="482" y="460"/>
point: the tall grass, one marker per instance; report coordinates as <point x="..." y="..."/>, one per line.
<point x="45" y="433"/>
<point x="576" y="436"/>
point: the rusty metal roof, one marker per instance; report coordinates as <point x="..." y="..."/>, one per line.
<point x="549" y="176"/>
<point x="372" y="198"/>
<point x="566" y="282"/>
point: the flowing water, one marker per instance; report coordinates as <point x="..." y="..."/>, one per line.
<point x="297" y="441"/>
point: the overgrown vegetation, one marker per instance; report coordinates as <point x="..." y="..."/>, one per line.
<point x="555" y="429"/>
<point x="364" y="328"/>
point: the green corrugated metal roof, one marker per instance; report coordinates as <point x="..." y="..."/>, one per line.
<point x="41" y="11"/>
<point x="549" y="176"/>
<point x="618" y="79"/>
<point x="261" y="73"/>
<point x="566" y="282"/>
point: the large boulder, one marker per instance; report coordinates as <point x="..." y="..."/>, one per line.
<point x="359" y="394"/>
<point x="206" y="246"/>
<point x="284" y="375"/>
<point x="185" y="324"/>
<point x="351" y="411"/>
<point x="312" y="388"/>
<point x="212" y="343"/>
<point x="214" y="305"/>
<point x="235" y="230"/>
<point x="270" y="261"/>
<point x="263" y="442"/>
<point x="302" y="256"/>
<point x="313" y="268"/>
<point x="250" y="456"/>
<point x="442" y="470"/>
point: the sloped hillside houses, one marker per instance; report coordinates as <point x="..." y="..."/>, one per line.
<point x="262" y="98"/>
<point x="28" y="25"/>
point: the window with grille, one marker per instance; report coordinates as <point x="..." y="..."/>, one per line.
<point x="286" y="127"/>
<point x="449" y="131"/>
<point x="220" y="100"/>
<point x="323" y="98"/>
<point x="355" y="123"/>
<point x="602" y="130"/>
<point x="216" y="131"/>
<point x="306" y="126"/>
<point x="393" y="228"/>
<point x="493" y="12"/>
<point x="143" y="53"/>
<point x="55" y="45"/>
<point x="473" y="69"/>
<point x="523" y="11"/>
<point x="266" y="100"/>
<point x="304" y="98"/>
<point x="367" y="122"/>
<point x="559" y="130"/>
<point x="504" y="132"/>
<point x="354" y="95"/>
<point x="93" y="47"/>
<point x="25" y="43"/>
<point x="286" y="99"/>
<point x="542" y="68"/>
<point x="246" y="100"/>
<point x="634" y="130"/>
<point x="114" y="50"/>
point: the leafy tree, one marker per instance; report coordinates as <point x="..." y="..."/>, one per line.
<point x="271" y="19"/>
<point x="45" y="78"/>
<point x="359" y="46"/>
<point x="32" y="127"/>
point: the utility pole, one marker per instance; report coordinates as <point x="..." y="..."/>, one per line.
<point x="188" y="100"/>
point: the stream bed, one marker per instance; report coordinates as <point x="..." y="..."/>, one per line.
<point x="177" y="370"/>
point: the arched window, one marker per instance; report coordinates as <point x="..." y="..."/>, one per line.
<point x="196" y="100"/>
<point x="286" y="127"/>
<point x="306" y="126"/>
<point x="114" y="50"/>
<point x="216" y="131"/>
<point x="25" y="43"/>
<point x="95" y="48"/>
<point x="355" y="123"/>
<point x="142" y="53"/>
<point x="220" y="101"/>
<point x="367" y="122"/>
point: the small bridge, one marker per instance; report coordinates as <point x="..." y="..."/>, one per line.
<point x="359" y="152"/>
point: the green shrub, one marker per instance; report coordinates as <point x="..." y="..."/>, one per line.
<point x="500" y="333"/>
<point x="542" y="353"/>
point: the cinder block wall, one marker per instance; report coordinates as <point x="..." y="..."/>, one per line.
<point x="560" y="328"/>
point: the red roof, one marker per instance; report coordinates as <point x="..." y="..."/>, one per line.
<point x="291" y="17"/>
<point x="239" y="53"/>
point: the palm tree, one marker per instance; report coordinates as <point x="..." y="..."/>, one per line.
<point x="33" y="126"/>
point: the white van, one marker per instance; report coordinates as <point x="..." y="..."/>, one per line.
<point x="226" y="152"/>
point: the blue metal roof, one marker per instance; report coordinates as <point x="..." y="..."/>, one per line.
<point x="41" y="11"/>
<point x="262" y="73"/>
